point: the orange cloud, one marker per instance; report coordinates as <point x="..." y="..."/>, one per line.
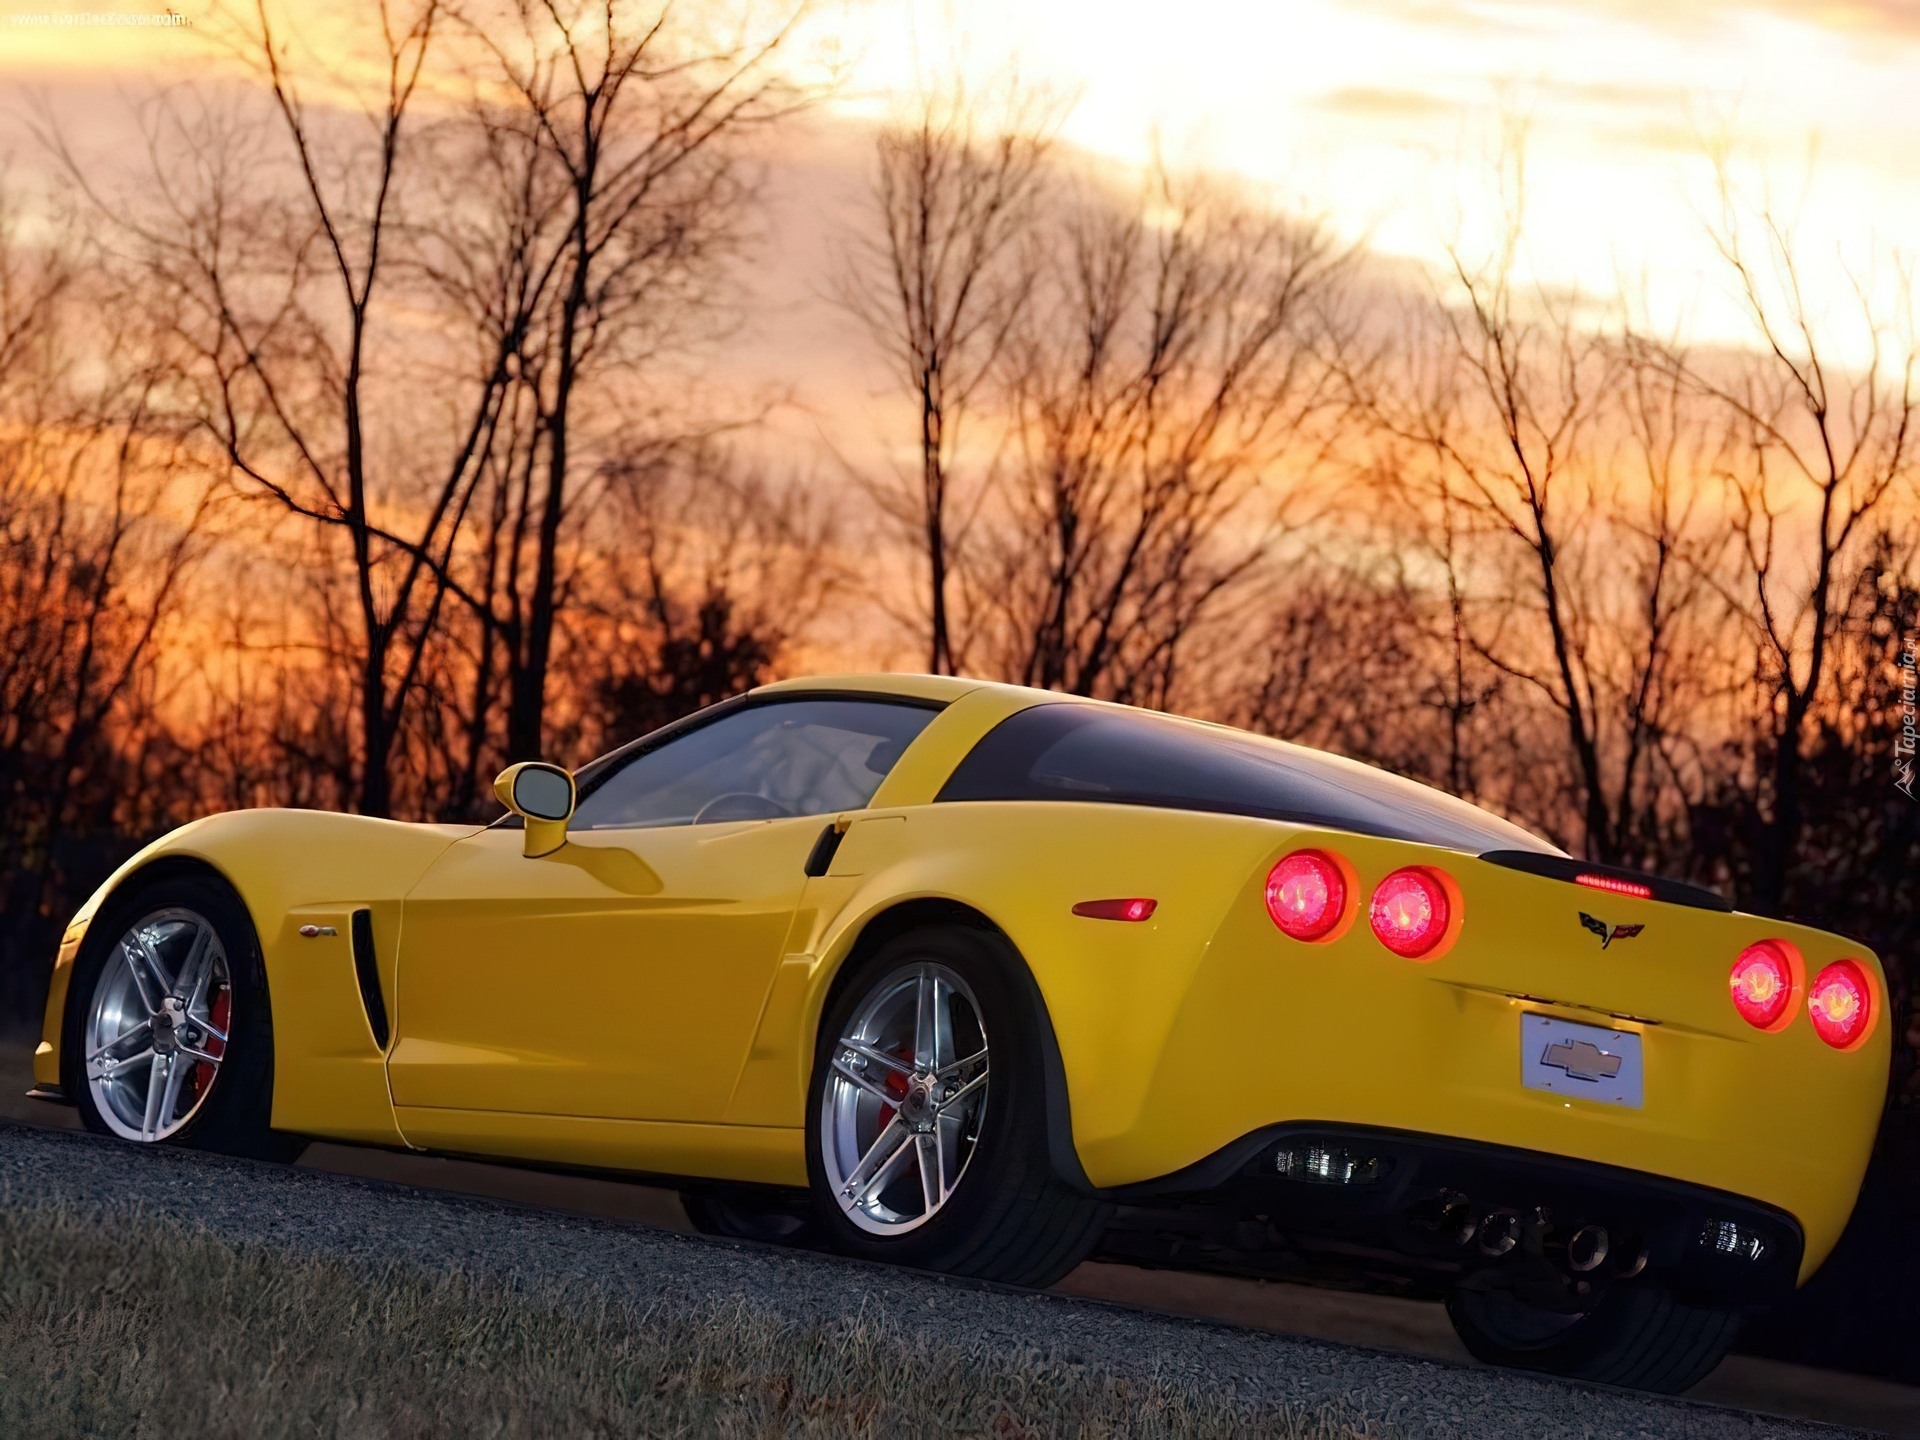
<point x="1370" y="102"/>
<point x="1878" y="16"/>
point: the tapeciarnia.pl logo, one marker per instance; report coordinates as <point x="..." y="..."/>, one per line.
<point x="1903" y="745"/>
<point x="107" y="19"/>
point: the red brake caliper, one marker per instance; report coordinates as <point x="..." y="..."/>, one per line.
<point x="897" y="1085"/>
<point x="220" y="1015"/>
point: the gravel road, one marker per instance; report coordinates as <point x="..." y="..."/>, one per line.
<point x="368" y="1221"/>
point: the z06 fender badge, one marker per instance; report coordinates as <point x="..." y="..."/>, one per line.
<point x="1607" y="937"/>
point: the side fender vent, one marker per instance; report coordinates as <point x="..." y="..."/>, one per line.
<point x="821" y="856"/>
<point x="367" y="971"/>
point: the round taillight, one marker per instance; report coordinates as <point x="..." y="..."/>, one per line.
<point x="1306" y="894"/>
<point x="1411" y="912"/>
<point x="1840" y="1004"/>
<point x="1762" y="984"/>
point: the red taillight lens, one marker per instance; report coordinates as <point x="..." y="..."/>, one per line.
<point x="1137" y="909"/>
<point x="1762" y="984"/>
<point x="1306" y="894"/>
<point x="1411" y="912"/>
<point x="1841" y="1004"/>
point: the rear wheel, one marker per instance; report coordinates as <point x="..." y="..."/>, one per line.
<point x="926" y="1139"/>
<point x="168" y="1035"/>
<point x="1638" y="1336"/>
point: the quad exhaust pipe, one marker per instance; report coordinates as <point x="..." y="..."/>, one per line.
<point x="1498" y="1233"/>
<point x="1587" y="1249"/>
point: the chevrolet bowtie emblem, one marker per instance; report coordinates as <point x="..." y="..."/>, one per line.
<point x="1607" y="937"/>
<point x="1582" y="1060"/>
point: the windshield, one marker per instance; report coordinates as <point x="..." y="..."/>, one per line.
<point x="761" y="762"/>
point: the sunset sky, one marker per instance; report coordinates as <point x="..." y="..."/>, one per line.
<point x="1382" y="114"/>
<point x="1386" y="113"/>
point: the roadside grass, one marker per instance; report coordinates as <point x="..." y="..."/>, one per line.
<point x="115" y="1323"/>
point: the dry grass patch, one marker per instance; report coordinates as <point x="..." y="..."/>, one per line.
<point x="114" y="1323"/>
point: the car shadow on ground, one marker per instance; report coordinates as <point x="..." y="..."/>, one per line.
<point x="1772" y="1382"/>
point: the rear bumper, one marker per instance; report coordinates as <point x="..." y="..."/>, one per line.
<point x="1441" y="1214"/>
<point x="1179" y="1055"/>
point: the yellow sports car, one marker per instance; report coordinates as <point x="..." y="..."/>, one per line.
<point x="987" y="980"/>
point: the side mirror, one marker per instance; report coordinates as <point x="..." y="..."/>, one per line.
<point x="543" y="796"/>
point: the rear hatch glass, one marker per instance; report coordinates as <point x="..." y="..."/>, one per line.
<point x="1115" y="756"/>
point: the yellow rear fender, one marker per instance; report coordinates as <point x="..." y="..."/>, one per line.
<point x="888" y="913"/>
<point x="900" y="914"/>
<point x="1108" y="992"/>
<point x="1182" y="1034"/>
<point x="301" y="875"/>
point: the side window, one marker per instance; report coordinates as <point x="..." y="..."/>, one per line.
<point x="788" y="757"/>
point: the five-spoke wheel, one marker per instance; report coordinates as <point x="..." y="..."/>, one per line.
<point x="156" y="1030"/>
<point x="927" y="1140"/>
<point x="168" y="1034"/>
<point x="902" y="1109"/>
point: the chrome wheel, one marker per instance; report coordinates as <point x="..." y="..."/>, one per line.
<point x="901" y="1111"/>
<point x="157" y="1029"/>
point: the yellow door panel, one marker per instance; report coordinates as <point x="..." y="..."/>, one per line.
<point x="619" y="977"/>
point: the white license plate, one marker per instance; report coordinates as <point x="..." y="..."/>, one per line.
<point x="1585" y="1060"/>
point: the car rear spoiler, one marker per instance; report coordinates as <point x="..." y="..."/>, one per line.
<point x="1563" y="867"/>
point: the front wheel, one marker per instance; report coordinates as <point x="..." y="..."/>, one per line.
<point x="1638" y="1336"/>
<point x="926" y="1137"/>
<point x="168" y="1037"/>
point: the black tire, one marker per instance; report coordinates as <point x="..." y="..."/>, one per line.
<point x="1008" y="1217"/>
<point x="233" y="1117"/>
<point x="1639" y="1336"/>
<point x="770" y="1214"/>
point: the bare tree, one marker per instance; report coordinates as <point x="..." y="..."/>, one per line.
<point x="1337" y="657"/>
<point x="1659" y="669"/>
<point x="711" y="573"/>
<point x="1546" y="476"/>
<point x="1163" y="386"/>
<point x="101" y="517"/>
<point x="1819" y="448"/>
<point x="294" y="261"/>
<point x="267" y="250"/>
<point x="939" y="289"/>
<point x="1462" y="684"/>
<point x="625" y="125"/>
<point x="1530" y="383"/>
